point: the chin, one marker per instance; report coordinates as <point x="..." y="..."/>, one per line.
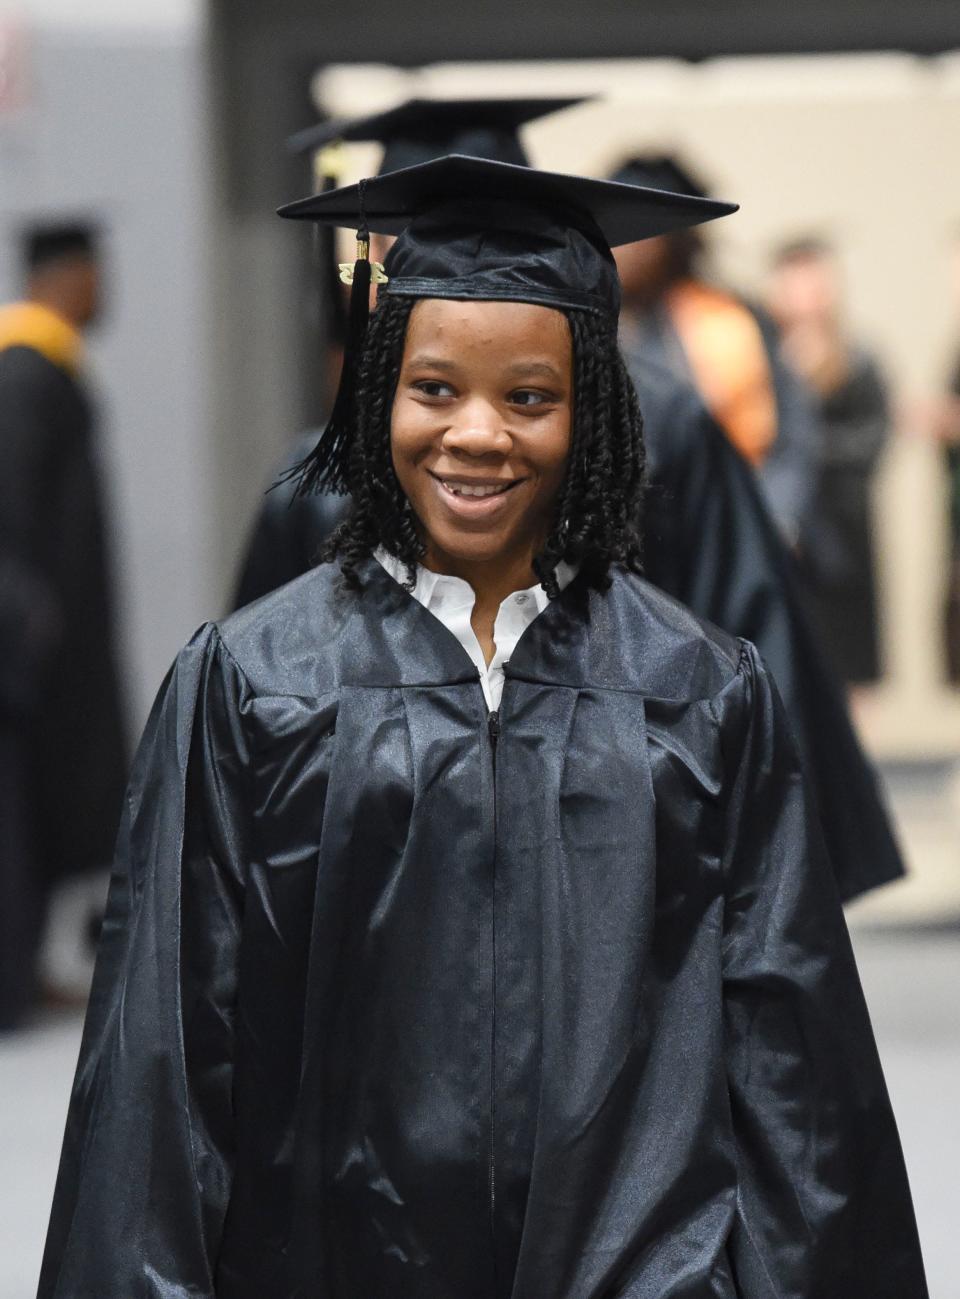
<point x="472" y="545"/>
<point x="474" y="548"/>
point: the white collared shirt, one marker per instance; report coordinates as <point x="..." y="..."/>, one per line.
<point x="451" y="600"/>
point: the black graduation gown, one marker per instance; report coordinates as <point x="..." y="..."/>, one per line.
<point x="710" y="542"/>
<point x="52" y="529"/>
<point x="788" y="475"/>
<point x="28" y="637"/>
<point x="392" y="1001"/>
<point x="838" y="546"/>
<point x="62" y="747"/>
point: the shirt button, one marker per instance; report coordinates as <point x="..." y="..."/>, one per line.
<point x="522" y="598"/>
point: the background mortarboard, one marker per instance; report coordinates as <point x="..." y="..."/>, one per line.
<point x="416" y="131"/>
<point x="659" y="171"/>
<point x="420" y="130"/>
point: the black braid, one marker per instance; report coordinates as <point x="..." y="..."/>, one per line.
<point x="380" y="514"/>
<point x="598" y="516"/>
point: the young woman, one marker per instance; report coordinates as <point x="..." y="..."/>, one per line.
<point x="470" y="937"/>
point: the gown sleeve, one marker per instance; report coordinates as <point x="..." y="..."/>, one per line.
<point x="823" y="1205"/>
<point x="145" y="1173"/>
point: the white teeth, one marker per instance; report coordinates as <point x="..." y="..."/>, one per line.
<point x="464" y="489"/>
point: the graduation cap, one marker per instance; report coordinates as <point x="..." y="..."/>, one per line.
<point x="659" y="171"/>
<point x="476" y="230"/>
<point x="423" y="129"/>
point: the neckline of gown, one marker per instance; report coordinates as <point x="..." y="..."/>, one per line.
<point x="416" y="648"/>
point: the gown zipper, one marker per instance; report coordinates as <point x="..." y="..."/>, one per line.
<point x="493" y="726"/>
<point x="493" y="732"/>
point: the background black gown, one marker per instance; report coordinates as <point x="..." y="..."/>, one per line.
<point x="839" y="559"/>
<point x="27" y="638"/>
<point x="61" y="725"/>
<point x="385" y="1007"/>
<point x="709" y="542"/>
<point x="788" y="475"/>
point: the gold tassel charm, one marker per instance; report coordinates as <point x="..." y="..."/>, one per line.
<point x="377" y="274"/>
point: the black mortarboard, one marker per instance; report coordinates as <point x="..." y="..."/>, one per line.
<point x="423" y="129"/>
<point x="471" y="229"/>
<point x="659" y="171"/>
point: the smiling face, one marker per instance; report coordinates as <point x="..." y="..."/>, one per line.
<point x="481" y="427"/>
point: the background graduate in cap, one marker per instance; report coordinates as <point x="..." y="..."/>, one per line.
<point x="471" y="935"/>
<point x="63" y="749"/>
<point x="708" y="539"/>
<point x="727" y="348"/>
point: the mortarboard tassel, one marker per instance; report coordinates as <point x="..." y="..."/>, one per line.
<point x="324" y="469"/>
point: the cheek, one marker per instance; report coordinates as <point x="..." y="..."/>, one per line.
<point x="553" y="449"/>
<point x="405" y="427"/>
<point x="412" y="432"/>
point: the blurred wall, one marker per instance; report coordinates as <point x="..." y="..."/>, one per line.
<point x="112" y="125"/>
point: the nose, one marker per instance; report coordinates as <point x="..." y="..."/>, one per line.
<point x="477" y="430"/>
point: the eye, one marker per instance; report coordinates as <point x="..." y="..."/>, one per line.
<point x="530" y="397"/>
<point x="433" y="388"/>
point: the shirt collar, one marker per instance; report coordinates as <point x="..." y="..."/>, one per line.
<point x="454" y="591"/>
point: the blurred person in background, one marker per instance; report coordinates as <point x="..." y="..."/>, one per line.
<point x="59" y="693"/>
<point x="943" y="421"/>
<point x="727" y="348"/>
<point x="837" y="547"/>
<point x="709" y="539"/>
<point x="949" y="433"/>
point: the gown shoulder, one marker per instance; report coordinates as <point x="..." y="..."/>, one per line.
<point x="289" y="641"/>
<point x="649" y="642"/>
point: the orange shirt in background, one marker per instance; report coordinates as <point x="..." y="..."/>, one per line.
<point x="728" y="359"/>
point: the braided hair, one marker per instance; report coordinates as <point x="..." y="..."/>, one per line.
<point x="598" y="515"/>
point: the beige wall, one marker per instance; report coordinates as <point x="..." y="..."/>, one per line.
<point x="861" y="148"/>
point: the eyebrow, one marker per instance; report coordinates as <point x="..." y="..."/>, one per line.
<point x="534" y="367"/>
<point x="519" y="368"/>
<point x="423" y="362"/>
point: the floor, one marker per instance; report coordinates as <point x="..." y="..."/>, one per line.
<point x="908" y="946"/>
